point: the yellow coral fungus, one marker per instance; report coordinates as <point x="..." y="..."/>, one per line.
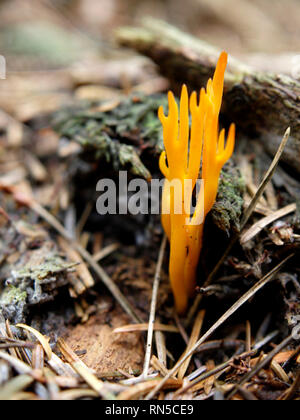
<point x="186" y="152"/>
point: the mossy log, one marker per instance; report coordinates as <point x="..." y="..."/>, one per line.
<point x="261" y="104"/>
<point x="129" y="137"/>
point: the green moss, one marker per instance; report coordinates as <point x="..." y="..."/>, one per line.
<point x="118" y="136"/>
<point x="51" y="267"/>
<point x="12" y="294"/>
<point x="228" y="208"/>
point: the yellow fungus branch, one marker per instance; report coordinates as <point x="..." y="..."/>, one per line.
<point x="186" y="151"/>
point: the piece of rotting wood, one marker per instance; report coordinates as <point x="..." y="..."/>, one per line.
<point x="259" y="102"/>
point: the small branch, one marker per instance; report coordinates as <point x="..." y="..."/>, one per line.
<point x="153" y="307"/>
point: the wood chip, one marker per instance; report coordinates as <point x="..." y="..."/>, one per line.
<point x="144" y="327"/>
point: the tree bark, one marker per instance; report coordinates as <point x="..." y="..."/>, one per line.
<point x="263" y="104"/>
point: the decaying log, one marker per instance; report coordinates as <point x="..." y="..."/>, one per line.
<point x="260" y="103"/>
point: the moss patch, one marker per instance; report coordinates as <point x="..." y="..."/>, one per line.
<point x="228" y="209"/>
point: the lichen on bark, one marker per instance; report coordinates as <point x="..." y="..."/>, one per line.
<point x="118" y="136"/>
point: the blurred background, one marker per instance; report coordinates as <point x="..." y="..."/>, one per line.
<point x="55" y="49"/>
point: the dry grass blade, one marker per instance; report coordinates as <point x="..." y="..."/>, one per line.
<point x="271" y="197"/>
<point x="161" y="347"/>
<point x="193" y="339"/>
<point x="105" y="252"/>
<point x="278" y="370"/>
<point x="82" y="370"/>
<point x="15" y="352"/>
<point x="82" y="270"/>
<point x="266" y="340"/>
<point x="248" y="336"/>
<point x="261" y="224"/>
<point x="215" y="371"/>
<point x="246" y="394"/>
<point x="259" y="209"/>
<point x="38" y="357"/>
<point x="153" y="307"/>
<point x="16" y="345"/>
<point x="266" y="360"/>
<point x="254" y="202"/>
<point x="77" y="394"/>
<point x="21" y="367"/>
<point x="248" y="295"/>
<point x="44" y="342"/>
<point x="144" y="327"/>
<point x="83" y="219"/>
<point x="209" y="382"/>
<point x="24" y="396"/>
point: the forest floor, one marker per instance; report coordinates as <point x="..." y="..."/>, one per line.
<point x="76" y="287"/>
